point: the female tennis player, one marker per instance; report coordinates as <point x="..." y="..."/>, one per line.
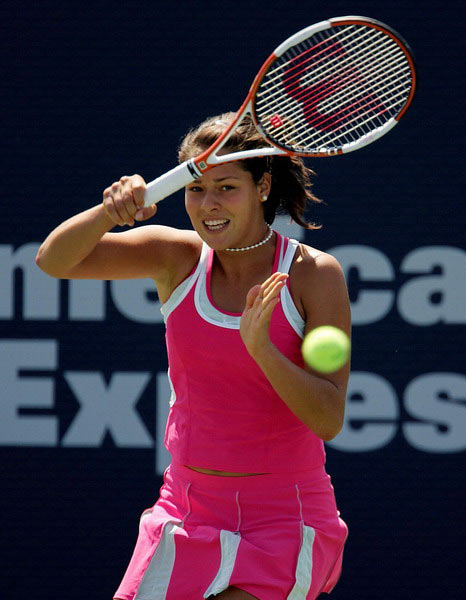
<point x="247" y="509"/>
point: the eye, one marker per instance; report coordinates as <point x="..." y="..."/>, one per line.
<point x="194" y="188"/>
<point x="227" y="187"/>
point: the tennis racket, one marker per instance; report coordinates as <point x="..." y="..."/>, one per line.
<point x="331" y="88"/>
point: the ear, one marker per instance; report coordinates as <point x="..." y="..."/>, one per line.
<point x="264" y="186"/>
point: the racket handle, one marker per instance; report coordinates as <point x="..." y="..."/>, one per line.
<point x="169" y="183"/>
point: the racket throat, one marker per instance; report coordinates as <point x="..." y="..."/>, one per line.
<point x="193" y="169"/>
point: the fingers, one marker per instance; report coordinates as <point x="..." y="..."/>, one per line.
<point x="260" y="303"/>
<point x="271" y="288"/>
<point x="123" y="201"/>
<point x="145" y="213"/>
<point x="261" y="294"/>
<point x="253" y="293"/>
<point x="263" y="298"/>
<point x="139" y="190"/>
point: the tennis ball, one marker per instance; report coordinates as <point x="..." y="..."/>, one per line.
<point x="326" y="348"/>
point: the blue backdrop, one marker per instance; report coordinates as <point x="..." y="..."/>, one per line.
<point x="96" y="90"/>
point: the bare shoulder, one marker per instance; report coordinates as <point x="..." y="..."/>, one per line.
<point x="319" y="288"/>
<point x="174" y="252"/>
<point x="315" y="266"/>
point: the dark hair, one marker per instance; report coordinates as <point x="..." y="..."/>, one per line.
<point x="291" y="179"/>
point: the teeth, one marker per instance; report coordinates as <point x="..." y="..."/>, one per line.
<point x="216" y="223"/>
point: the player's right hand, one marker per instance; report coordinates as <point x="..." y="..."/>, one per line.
<point x="124" y="201"/>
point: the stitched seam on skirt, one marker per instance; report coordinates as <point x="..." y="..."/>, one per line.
<point x="239" y="512"/>
<point x="298" y="496"/>
<point x="189" y="505"/>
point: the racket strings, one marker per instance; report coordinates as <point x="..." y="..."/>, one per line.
<point x="351" y="76"/>
<point x="277" y="73"/>
<point x="337" y="104"/>
<point x="343" y="77"/>
<point x="331" y="100"/>
<point x="353" y="117"/>
<point x="318" y="75"/>
<point x="337" y="86"/>
<point x="351" y="85"/>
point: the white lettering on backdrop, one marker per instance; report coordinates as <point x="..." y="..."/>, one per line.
<point x="431" y="291"/>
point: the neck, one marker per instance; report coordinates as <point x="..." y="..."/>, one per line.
<point x="240" y="265"/>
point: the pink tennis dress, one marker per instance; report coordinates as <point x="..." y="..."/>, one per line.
<point x="276" y="535"/>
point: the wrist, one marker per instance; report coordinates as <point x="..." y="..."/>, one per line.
<point x="104" y="218"/>
<point x="263" y="353"/>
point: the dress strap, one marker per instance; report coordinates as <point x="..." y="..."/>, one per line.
<point x="285" y="262"/>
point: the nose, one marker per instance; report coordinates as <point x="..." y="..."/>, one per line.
<point x="209" y="200"/>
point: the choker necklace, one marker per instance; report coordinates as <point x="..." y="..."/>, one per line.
<point x="264" y="241"/>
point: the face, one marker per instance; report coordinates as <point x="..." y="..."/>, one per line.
<point x="225" y="206"/>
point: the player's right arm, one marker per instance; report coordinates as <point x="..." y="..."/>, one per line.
<point x="83" y="247"/>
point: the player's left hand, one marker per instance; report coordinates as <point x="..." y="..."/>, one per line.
<point x="257" y="314"/>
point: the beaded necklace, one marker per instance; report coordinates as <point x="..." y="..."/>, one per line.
<point x="264" y="241"/>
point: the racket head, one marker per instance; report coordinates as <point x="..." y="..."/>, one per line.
<point x="333" y="87"/>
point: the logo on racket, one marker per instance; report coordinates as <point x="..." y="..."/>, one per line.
<point x="317" y="80"/>
<point x="276" y="121"/>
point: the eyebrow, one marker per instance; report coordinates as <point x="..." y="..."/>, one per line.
<point x="219" y="179"/>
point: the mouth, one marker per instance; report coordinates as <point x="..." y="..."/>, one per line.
<point x="215" y="224"/>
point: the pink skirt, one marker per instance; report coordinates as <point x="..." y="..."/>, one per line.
<point x="275" y="536"/>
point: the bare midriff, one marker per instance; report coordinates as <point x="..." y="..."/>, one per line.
<point x="221" y="473"/>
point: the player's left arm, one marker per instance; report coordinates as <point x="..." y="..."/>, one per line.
<point x="325" y="301"/>
<point x="318" y="284"/>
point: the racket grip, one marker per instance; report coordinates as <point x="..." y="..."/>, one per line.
<point x="169" y="183"/>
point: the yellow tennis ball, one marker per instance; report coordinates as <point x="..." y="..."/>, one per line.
<point x="326" y="348"/>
